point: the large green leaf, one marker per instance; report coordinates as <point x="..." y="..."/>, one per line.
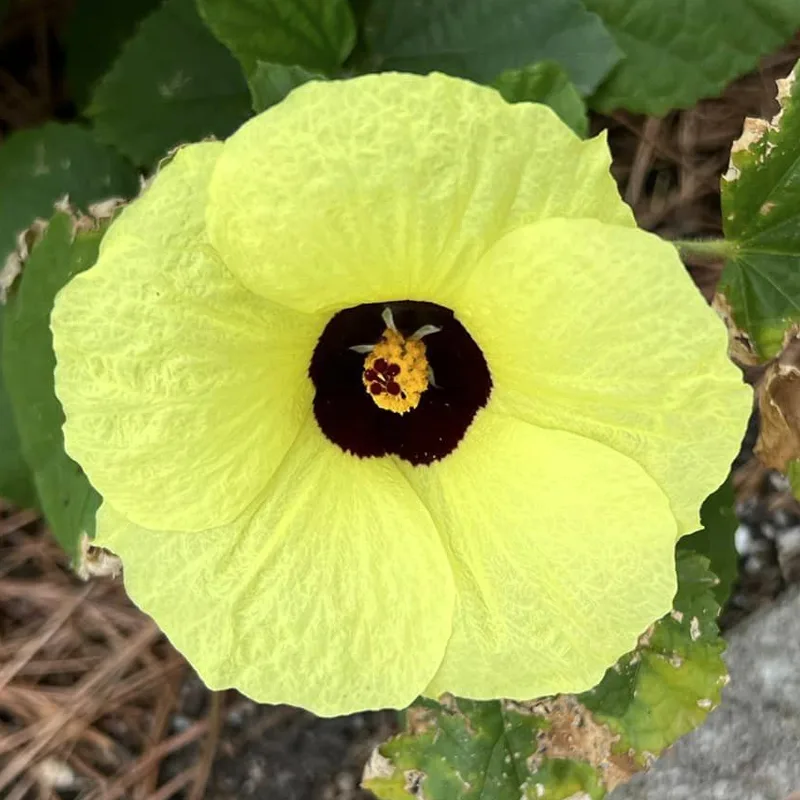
<point x="68" y="501"/>
<point x="564" y="746"/>
<point x="761" y="219"/>
<point x="677" y="51"/>
<point x="270" y="83"/>
<point x="39" y="166"/>
<point x="16" y="481"/>
<point x="547" y="83"/>
<point x="96" y="32"/>
<point x="479" y="39"/>
<point x="318" y="34"/>
<point x="715" y="540"/>
<point x="173" y="83"/>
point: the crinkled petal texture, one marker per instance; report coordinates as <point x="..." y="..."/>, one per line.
<point x="172" y="374"/>
<point x="526" y="561"/>
<point x="563" y="554"/>
<point x="392" y="186"/>
<point x="333" y="592"/>
<point x="602" y="333"/>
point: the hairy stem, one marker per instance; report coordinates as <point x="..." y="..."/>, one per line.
<point x="708" y="249"/>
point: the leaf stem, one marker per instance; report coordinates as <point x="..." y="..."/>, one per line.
<point x="708" y="249"/>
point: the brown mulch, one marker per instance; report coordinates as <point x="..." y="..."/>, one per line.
<point x="94" y="703"/>
<point x="669" y="169"/>
<point x="87" y="684"/>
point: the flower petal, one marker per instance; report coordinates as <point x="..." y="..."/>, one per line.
<point x="391" y="186"/>
<point x="563" y="554"/>
<point x="333" y="592"/>
<point x="182" y="390"/>
<point x="603" y="333"/>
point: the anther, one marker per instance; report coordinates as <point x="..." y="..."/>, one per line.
<point x="396" y="369"/>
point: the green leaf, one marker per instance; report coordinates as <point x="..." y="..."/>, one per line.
<point x="40" y="166"/>
<point x="469" y="749"/>
<point x="67" y="499"/>
<point x="564" y="746"/>
<point x="96" y="32"/>
<point x="173" y="83"/>
<point x="677" y="52"/>
<point x="16" y="481"/>
<point x="761" y="218"/>
<point x="479" y="39"/>
<point x="270" y="83"/>
<point x="669" y="684"/>
<point x="547" y="83"/>
<point x="793" y="474"/>
<point x="318" y="34"/>
<point x="715" y="540"/>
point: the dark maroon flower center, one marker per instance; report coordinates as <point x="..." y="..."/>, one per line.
<point x="460" y="383"/>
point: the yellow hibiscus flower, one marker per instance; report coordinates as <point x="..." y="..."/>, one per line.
<point x="387" y="395"/>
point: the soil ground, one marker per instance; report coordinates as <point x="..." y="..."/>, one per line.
<point x="94" y="703"/>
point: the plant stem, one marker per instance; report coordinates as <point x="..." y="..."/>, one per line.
<point x="708" y="249"/>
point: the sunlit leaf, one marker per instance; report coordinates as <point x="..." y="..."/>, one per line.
<point x="567" y="746"/>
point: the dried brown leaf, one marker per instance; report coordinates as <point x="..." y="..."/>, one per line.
<point x="573" y="733"/>
<point x="779" y="403"/>
<point x="740" y="346"/>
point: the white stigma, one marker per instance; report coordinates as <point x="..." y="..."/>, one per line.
<point x="388" y="319"/>
<point x="425" y="330"/>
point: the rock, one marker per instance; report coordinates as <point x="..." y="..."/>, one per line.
<point x="749" y="748"/>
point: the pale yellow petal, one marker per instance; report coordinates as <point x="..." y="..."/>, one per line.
<point x="391" y="186"/>
<point x="182" y="389"/>
<point x="333" y="592"/>
<point x="563" y="554"/>
<point x="598" y="330"/>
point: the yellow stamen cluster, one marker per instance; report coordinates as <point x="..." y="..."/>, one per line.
<point x="396" y="372"/>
